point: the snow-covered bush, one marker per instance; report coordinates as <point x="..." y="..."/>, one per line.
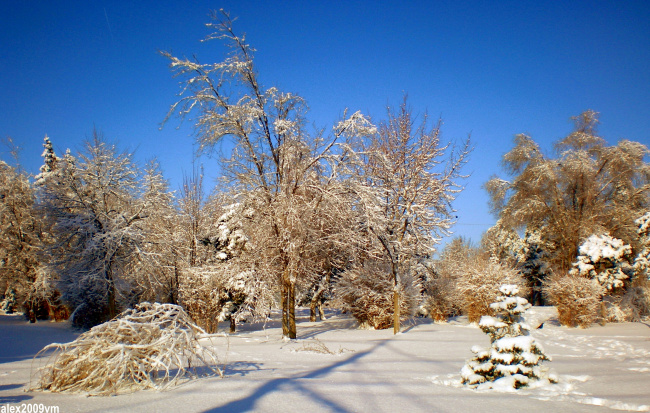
<point x="578" y="299"/>
<point x="513" y="359"/>
<point x="366" y="292"/>
<point x="153" y="346"/>
<point x="605" y="259"/>
<point x="479" y="285"/>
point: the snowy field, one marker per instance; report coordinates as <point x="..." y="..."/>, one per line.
<point x="335" y="367"/>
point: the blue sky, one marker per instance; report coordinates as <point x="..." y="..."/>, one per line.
<point x="489" y="69"/>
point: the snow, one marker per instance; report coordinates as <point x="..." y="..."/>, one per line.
<point x="600" y="369"/>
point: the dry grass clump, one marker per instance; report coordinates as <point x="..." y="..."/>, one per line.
<point x="153" y="346"/>
<point x="578" y="299"/>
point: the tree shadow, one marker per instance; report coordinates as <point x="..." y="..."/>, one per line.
<point x="248" y="403"/>
<point x="4" y="387"/>
<point x="14" y="399"/>
<point x="240" y="368"/>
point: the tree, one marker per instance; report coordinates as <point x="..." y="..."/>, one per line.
<point x="441" y="286"/>
<point x="587" y="188"/>
<point x="20" y="236"/>
<point x="94" y="211"/>
<point x="532" y="261"/>
<point x="160" y="252"/>
<point x="404" y="164"/>
<point x="279" y="169"/>
<point x="514" y="357"/>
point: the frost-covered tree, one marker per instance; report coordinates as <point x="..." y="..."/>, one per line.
<point x="442" y="298"/>
<point x="586" y="188"/>
<point x="91" y="202"/>
<point x="160" y="253"/>
<point x="20" y="236"/>
<point x="279" y="170"/>
<point x="417" y="179"/>
<point x="514" y="357"/>
<point x="502" y="243"/>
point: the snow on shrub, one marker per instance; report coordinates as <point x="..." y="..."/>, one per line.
<point x="605" y="259"/>
<point x="366" y="292"/>
<point x="578" y="299"/>
<point x="153" y="346"/>
<point x="513" y="359"/>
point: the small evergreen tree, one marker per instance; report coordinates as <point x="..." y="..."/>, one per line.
<point x="532" y="262"/>
<point x="513" y="359"/>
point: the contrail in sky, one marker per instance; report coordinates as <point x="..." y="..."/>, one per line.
<point x="109" y="25"/>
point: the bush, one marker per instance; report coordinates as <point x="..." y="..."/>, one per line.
<point x="479" y="284"/>
<point x="442" y="299"/>
<point x="199" y="294"/>
<point x="633" y="305"/>
<point x="578" y="299"/>
<point x="366" y="292"/>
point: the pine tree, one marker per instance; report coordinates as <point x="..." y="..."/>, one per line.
<point x="513" y="359"/>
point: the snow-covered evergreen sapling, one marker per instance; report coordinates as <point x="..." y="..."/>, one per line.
<point x="513" y="359"/>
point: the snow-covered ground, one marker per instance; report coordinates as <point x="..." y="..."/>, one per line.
<point x="336" y="367"/>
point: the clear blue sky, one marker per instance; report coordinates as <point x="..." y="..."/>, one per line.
<point x="492" y="69"/>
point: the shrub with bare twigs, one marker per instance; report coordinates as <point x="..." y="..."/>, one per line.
<point x="478" y="287"/>
<point x="578" y="299"/>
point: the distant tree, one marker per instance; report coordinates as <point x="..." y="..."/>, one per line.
<point x="587" y="188"/>
<point x="93" y="208"/>
<point x="533" y="263"/>
<point x="605" y="259"/>
<point x="441" y="287"/>
<point x="160" y="253"/>
<point x="20" y="236"/>
<point x="502" y="243"/>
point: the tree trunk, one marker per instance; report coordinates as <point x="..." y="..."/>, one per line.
<point x="320" y="311"/>
<point x="112" y="307"/>
<point x="288" y="309"/>
<point x="317" y="303"/>
<point x="396" y="325"/>
<point x="396" y="283"/>
<point x="233" y="325"/>
<point x="312" y="311"/>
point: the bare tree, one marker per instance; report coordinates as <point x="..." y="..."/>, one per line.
<point x="278" y="168"/>
<point x="587" y="188"/>
<point x="417" y="179"/>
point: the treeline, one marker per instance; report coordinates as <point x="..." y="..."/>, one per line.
<point x="349" y="216"/>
